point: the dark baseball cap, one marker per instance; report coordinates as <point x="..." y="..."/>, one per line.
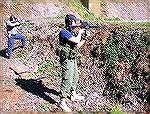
<point x="70" y="17"/>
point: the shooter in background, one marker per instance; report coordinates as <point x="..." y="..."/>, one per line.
<point x="69" y="44"/>
<point x="12" y="29"/>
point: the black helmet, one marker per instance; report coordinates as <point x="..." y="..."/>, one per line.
<point x="13" y="18"/>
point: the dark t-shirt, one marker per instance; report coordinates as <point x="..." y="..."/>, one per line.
<point x="64" y="35"/>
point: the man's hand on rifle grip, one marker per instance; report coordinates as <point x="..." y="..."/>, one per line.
<point x="87" y="33"/>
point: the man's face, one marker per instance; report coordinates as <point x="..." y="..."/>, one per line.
<point x="76" y="23"/>
<point x="76" y="30"/>
<point x="76" y="26"/>
<point x="73" y="22"/>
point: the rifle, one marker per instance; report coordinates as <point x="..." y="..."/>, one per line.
<point x="87" y="26"/>
<point x="21" y="22"/>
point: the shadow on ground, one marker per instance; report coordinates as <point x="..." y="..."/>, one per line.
<point x="3" y="52"/>
<point x="36" y="87"/>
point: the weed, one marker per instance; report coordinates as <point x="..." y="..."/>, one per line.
<point x="43" y="67"/>
<point x="29" y="36"/>
<point x="116" y="110"/>
<point x="27" y="24"/>
<point x="32" y="75"/>
<point x="45" y="107"/>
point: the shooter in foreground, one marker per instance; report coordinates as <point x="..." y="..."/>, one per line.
<point x="68" y="52"/>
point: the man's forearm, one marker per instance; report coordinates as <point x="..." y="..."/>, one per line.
<point x="76" y="39"/>
<point x="80" y="43"/>
<point x="79" y="36"/>
<point x="13" y="24"/>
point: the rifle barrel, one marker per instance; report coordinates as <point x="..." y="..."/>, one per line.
<point x="97" y="26"/>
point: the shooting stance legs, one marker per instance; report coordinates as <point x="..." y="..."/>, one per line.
<point x="69" y="83"/>
<point x="11" y="41"/>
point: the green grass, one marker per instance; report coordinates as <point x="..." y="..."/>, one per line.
<point x="14" y="1"/>
<point x="134" y="25"/>
<point x="113" y="19"/>
<point x="82" y="11"/>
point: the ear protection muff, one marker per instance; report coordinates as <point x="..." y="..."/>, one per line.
<point x="68" y="21"/>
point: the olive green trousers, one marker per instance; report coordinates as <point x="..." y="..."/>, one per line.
<point x="70" y="77"/>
